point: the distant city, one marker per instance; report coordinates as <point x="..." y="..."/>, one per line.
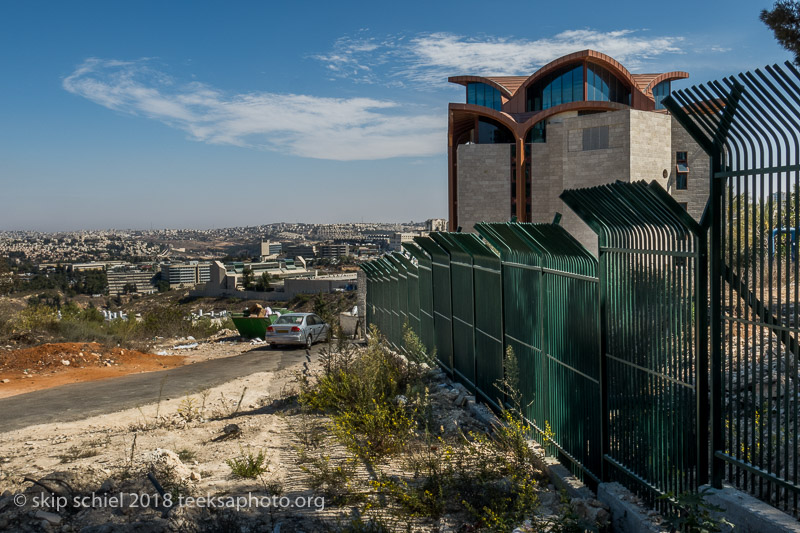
<point x="218" y="261"/>
<point x="186" y="244"/>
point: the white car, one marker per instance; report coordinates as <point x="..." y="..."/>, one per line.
<point x="297" y="328"/>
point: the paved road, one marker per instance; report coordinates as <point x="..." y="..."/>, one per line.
<point x="77" y="401"/>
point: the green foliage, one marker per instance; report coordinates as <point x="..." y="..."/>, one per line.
<point x="784" y="21"/>
<point x="374" y="431"/>
<point x="248" y="465"/>
<point x="263" y="282"/>
<point x="6" y="276"/>
<point x="323" y="309"/>
<point x="247" y="279"/>
<point x="414" y="348"/>
<point x="88" y="325"/>
<point x="36" y="318"/>
<point x="691" y="513"/>
<point x="364" y="395"/>
<point x="186" y="455"/>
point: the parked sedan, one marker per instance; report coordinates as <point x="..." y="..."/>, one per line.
<point x="297" y="328"/>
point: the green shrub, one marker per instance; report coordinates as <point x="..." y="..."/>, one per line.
<point x="36" y="319"/>
<point x="375" y="431"/>
<point x="248" y="465"/>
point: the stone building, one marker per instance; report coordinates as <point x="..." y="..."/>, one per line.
<point x="580" y="121"/>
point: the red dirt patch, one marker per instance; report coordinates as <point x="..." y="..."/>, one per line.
<point x="46" y="366"/>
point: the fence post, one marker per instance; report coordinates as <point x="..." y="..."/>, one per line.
<point x="716" y="414"/>
<point x="602" y="272"/>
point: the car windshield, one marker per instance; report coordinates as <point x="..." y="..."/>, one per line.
<point x="289" y="319"/>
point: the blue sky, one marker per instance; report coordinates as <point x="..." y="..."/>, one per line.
<point x="210" y="114"/>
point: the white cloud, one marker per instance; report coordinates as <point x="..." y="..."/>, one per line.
<point x="430" y="58"/>
<point x="342" y="129"/>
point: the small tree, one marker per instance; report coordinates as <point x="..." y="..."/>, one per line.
<point x="784" y="21"/>
<point x="263" y="282"/>
<point x="247" y="279"/>
<point x="6" y="278"/>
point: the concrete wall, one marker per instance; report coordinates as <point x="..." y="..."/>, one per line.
<point x="484" y="184"/>
<point x="699" y="167"/>
<point x="650" y="146"/>
<point x="562" y="163"/>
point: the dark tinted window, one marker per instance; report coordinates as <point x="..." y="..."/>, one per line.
<point x="560" y="87"/>
<point x="660" y="91"/>
<point x="484" y="95"/>
<point x="492" y="132"/>
<point x="603" y="86"/>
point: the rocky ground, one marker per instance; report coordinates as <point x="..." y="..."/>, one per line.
<point x="91" y="475"/>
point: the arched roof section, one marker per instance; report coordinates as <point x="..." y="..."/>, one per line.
<point x="667" y="76"/>
<point x="503" y="118"/>
<point x="466" y="80"/>
<point x="584" y="55"/>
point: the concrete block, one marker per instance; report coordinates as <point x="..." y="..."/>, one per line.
<point x="748" y="514"/>
<point x="626" y="515"/>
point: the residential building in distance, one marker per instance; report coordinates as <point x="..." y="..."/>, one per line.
<point x="186" y="274"/>
<point x="580" y="121"/>
<point x="397" y="239"/>
<point x="332" y="251"/>
<point x="436" y="224"/>
<point x="306" y="251"/>
<point x="270" y="250"/>
<point x="139" y="279"/>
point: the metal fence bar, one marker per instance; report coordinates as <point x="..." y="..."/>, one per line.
<point x="749" y="125"/>
<point x="652" y="345"/>
<point x="442" y="301"/>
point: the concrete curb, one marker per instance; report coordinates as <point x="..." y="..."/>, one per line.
<point x="626" y="515"/>
<point x="749" y="514"/>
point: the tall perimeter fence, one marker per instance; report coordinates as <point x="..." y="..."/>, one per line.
<point x="669" y="360"/>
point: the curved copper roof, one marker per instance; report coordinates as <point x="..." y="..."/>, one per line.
<point x="511" y="86"/>
<point x="667" y="76"/>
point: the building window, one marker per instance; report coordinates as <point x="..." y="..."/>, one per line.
<point x="595" y="138"/>
<point x="484" y="95"/>
<point x="560" y="87"/>
<point x="684" y="205"/>
<point x="681" y="171"/>
<point x="538" y="133"/>
<point x="660" y="92"/>
<point x="603" y="86"/>
<point x="492" y="132"/>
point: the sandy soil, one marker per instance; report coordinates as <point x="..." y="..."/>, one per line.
<point x="45" y="366"/>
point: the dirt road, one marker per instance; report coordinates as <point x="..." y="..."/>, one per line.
<point x="82" y="400"/>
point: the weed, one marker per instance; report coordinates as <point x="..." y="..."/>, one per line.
<point x="186" y="455"/>
<point x="189" y="409"/>
<point x="78" y="452"/>
<point x="248" y="465"/>
<point x="374" y="431"/>
<point x="692" y="513"/>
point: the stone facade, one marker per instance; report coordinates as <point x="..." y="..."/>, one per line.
<point x="641" y="146"/>
<point x="696" y="193"/>
<point x="484" y="184"/>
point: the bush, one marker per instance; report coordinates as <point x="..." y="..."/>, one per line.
<point x="248" y="465"/>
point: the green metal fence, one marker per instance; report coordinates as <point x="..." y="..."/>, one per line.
<point x="653" y="345"/>
<point x="488" y="315"/>
<point x="749" y="125"/>
<point x="425" y="287"/>
<point x="550" y="294"/>
<point x="610" y="354"/>
<point x="442" y="301"/>
<point x="462" y="290"/>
